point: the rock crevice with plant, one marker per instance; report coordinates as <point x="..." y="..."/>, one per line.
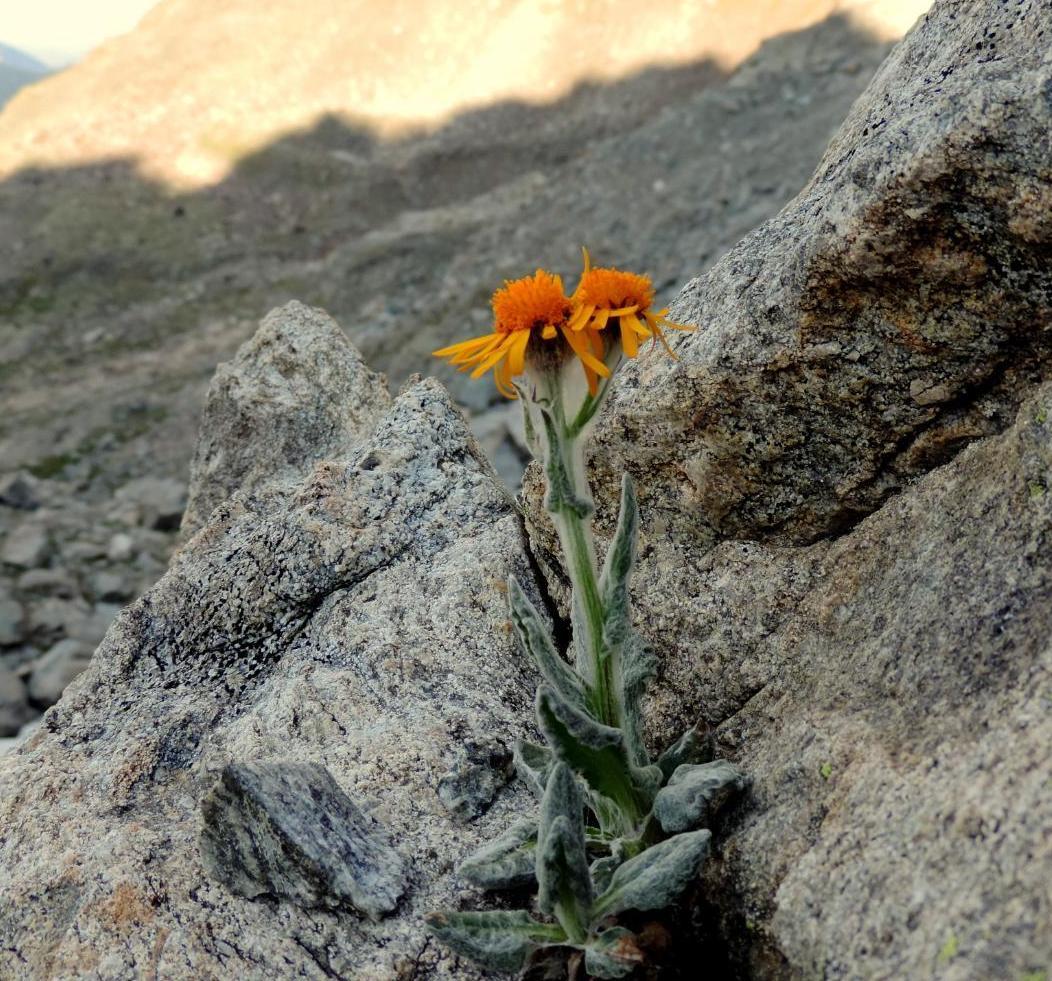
<point x="844" y="566"/>
<point x="616" y="831"/>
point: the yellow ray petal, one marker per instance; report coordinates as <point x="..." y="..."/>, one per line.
<point x="580" y="317"/>
<point x="578" y="344"/>
<point x="661" y="337"/>
<point x="633" y="321"/>
<point x="598" y="346"/>
<point x="473" y="357"/>
<point x="665" y="322"/>
<point x="499" y="352"/>
<point x="464" y="346"/>
<point x="593" y="380"/>
<point x="628" y="340"/>
<point x="517" y="355"/>
<point x="502" y="376"/>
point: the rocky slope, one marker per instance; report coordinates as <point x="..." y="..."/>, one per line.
<point x="109" y="272"/>
<point x="859" y="603"/>
<point x="118" y="294"/>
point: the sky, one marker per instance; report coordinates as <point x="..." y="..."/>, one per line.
<point x="59" y="32"/>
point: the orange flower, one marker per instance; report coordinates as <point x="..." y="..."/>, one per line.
<point x="606" y="294"/>
<point x="532" y="308"/>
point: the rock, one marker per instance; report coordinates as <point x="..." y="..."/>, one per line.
<point x="90" y="629"/>
<point x="14" y="703"/>
<point x="483" y="767"/>
<point x="56" y="669"/>
<point x="288" y="830"/>
<point x="351" y="617"/>
<point x="27" y="546"/>
<point x="110" y="585"/>
<point x="296" y="391"/>
<point x="20" y="490"/>
<point x="12" y="621"/>
<point x="55" y="617"/>
<point x="7" y="744"/>
<point x="845" y="558"/>
<point x="890" y="314"/>
<point x="83" y="551"/>
<point x="48" y="582"/>
<point x="161" y="501"/>
<point x="495" y="431"/>
<point x="19" y="657"/>
<point x="121" y="547"/>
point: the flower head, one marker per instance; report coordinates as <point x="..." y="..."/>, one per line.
<point x="606" y="294"/>
<point x="534" y="308"/>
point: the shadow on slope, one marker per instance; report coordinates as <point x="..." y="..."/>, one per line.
<point x="117" y="297"/>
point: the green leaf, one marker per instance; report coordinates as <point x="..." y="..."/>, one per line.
<point x="694" y="793"/>
<point x="692" y="747"/>
<point x="613" y="954"/>
<point x="499" y="940"/>
<point x="507" y="862"/>
<point x="598" y="753"/>
<point x="528" y="430"/>
<point x="617" y="568"/>
<point x="636" y="667"/>
<point x="602" y="869"/>
<point x="654" y="879"/>
<point x="533" y="635"/>
<point x="560" y="495"/>
<point x="533" y="763"/>
<point x="633" y="666"/>
<point x="564" y="884"/>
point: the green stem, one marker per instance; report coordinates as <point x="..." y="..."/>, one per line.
<point x="570" y="504"/>
<point x="569" y="917"/>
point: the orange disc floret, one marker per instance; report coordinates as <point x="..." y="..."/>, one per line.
<point x="535" y="302"/>
<point x="605" y="294"/>
<point x="614" y="289"/>
<point x="534" y="306"/>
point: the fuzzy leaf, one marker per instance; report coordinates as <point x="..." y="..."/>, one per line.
<point x="533" y="635"/>
<point x="694" y="793"/>
<point x="499" y="940"/>
<point x="602" y="870"/>
<point x="612" y="954"/>
<point x="654" y="879"/>
<point x="560" y="495"/>
<point x="620" y="557"/>
<point x="692" y="747"/>
<point x="562" y="865"/>
<point x="633" y="664"/>
<point x="636" y="669"/>
<point x="532" y="442"/>
<point x="598" y="754"/>
<point x="507" y="862"/>
<point x="533" y="763"/>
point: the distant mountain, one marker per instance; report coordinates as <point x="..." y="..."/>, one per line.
<point x="18" y="69"/>
<point x="13" y="58"/>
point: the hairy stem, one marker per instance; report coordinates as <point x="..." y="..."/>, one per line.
<point x="570" y="503"/>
